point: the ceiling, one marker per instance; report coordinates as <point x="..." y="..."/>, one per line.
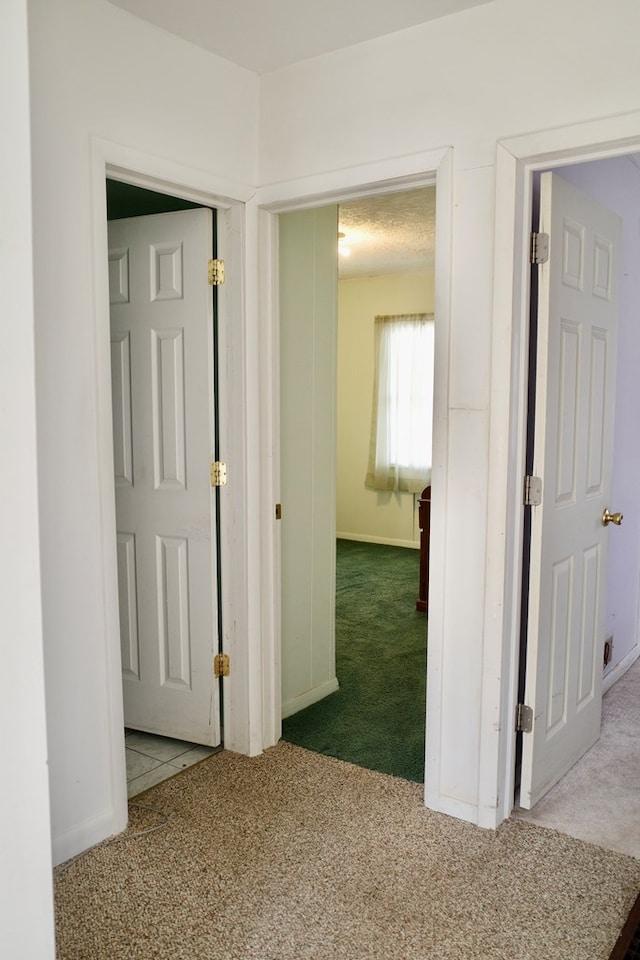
<point x="388" y="233"/>
<point x="264" y="35"/>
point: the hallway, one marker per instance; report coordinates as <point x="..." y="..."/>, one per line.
<point x="599" y="799"/>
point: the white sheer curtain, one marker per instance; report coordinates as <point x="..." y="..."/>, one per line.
<point x="401" y="426"/>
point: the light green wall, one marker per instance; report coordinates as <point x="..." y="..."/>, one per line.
<point x="363" y="514"/>
<point x="308" y="320"/>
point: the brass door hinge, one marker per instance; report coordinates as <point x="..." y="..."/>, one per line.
<point x="278" y="511"/>
<point x="216" y="273"/>
<point x="221" y="667"/>
<point x="218" y="473"/>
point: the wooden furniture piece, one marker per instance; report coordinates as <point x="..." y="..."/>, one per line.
<point x="424" y="520"/>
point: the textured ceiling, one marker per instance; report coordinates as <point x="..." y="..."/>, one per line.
<point x="264" y="35"/>
<point x="389" y="233"/>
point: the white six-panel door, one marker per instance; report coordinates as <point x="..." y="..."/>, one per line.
<point x="575" y="390"/>
<point x="163" y="431"/>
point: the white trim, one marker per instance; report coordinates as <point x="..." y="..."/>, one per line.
<point x="612" y="136"/>
<point x="433" y="795"/>
<point x="115" y="817"/>
<point x="237" y="411"/>
<point x="175" y="179"/>
<point x="269" y="487"/>
<point x="617" y="672"/>
<point x="517" y="159"/>
<point x="150" y="172"/>
<point x="333" y="187"/>
<point x="510" y="345"/>
<point x="308" y="697"/>
<point x="461" y="809"/>
<point x="386" y="541"/>
<point x="82" y="836"/>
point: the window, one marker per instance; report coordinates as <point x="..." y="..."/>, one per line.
<point x="401" y="424"/>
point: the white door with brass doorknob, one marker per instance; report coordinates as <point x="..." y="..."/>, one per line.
<point x="571" y="527"/>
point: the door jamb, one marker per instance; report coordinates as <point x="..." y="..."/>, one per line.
<point x="320" y="190"/>
<point x="516" y="161"/>
<point x="150" y="172"/>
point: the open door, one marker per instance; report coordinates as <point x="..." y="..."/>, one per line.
<point x="162" y="361"/>
<point x="574" y="412"/>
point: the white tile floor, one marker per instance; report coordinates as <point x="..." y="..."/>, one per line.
<point x="151" y="759"/>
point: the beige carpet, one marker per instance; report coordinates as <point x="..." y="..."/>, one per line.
<point x="294" y="855"/>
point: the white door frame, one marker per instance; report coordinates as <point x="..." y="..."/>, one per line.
<point x="236" y="410"/>
<point x="517" y="160"/>
<point x="320" y="190"/>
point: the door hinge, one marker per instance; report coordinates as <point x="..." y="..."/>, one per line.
<point x="278" y="511"/>
<point x="532" y="496"/>
<point x="524" y="718"/>
<point x="218" y="473"/>
<point x="216" y="273"/>
<point x="539" y="247"/>
<point x="221" y="666"/>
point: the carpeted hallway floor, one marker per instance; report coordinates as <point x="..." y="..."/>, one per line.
<point x="296" y="856"/>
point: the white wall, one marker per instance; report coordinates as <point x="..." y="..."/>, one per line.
<point x="26" y="901"/>
<point x="362" y="514"/>
<point x="468" y="81"/>
<point x="99" y="72"/>
<point x="616" y="185"/>
<point x="308" y="322"/>
<point x="465" y="81"/>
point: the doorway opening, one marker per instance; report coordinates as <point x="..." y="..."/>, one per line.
<point x="353" y="642"/>
<point x="574" y="806"/>
<point x="165" y="428"/>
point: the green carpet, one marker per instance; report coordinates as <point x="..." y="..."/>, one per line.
<point x="377" y="717"/>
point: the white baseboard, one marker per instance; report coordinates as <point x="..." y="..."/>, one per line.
<point x="460" y="809"/>
<point x="387" y="541"/>
<point x="308" y="697"/>
<point x="87" y="834"/>
<point x="620" y="669"/>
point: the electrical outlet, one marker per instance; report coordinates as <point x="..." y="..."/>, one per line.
<point x="608" y="650"/>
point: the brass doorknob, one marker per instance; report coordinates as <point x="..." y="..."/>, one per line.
<point x="607" y="518"/>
